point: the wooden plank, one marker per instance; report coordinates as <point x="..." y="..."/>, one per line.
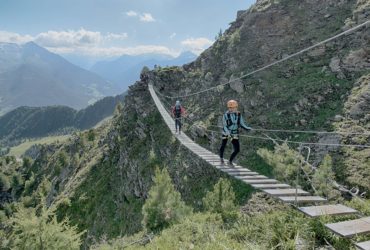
<point x="351" y="228"/>
<point x="285" y="192"/>
<point x="365" y="245"/>
<point x="248" y="177"/>
<point x="231" y="169"/>
<point x="216" y="164"/>
<point x="261" y="181"/>
<point x="243" y="173"/>
<point x="302" y="199"/>
<point x="338" y="209"/>
<point x="279" y="185"/>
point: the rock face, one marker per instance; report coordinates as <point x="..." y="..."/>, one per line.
<point x="358" y="105"/>
<point x="357" y="120"/>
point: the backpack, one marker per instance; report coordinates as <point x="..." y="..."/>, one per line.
<point x="178" y="111"/>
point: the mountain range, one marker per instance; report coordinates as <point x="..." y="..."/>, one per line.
<point x="31" y="122"/>
<point x="126" y="69"/>
<point x="32" y="76"/>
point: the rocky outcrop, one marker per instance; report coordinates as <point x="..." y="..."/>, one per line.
<point x="357" y="126"/>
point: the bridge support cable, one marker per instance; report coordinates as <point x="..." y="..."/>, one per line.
<point x="346" y="32"/>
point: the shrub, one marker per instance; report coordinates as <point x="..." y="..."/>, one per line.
<point x="30" y="231"/>
<point x="4" y="183"/>
<point x="284" y="160"/>
<point x="221" y="200"/>
<point x="323" y="177"/>
<point x="164" y="205"/>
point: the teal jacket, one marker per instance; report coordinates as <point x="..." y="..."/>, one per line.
<point x="231" y="122"/>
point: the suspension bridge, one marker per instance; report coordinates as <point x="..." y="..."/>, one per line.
<point x="311" y="205"/>
<point x="274" y="188"/>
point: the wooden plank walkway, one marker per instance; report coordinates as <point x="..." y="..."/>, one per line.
<point x="281" y="191"/>
<point x="351" y="228"/>
<point x="363" y="245"/>
<point x="317" y="211"/>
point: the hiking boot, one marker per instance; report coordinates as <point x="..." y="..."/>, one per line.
<point x="230" y="164"/>
<point x="222" y="160"/>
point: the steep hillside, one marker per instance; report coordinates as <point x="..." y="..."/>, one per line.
<point x="31" y="122"/>
<point x="32" y="76"/>
<point x="303" y="93"/>
<point x="101" y="178"/>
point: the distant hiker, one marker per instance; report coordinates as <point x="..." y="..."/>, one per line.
<point x="232" y="120"/>
<point x="178" y="111"/>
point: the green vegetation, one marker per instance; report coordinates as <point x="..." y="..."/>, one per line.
<point x="102" y="179"/>
<point x="222" y="201"/>
<point x="34" y="122"/>
<point x="38" y="228"/>
<point x="207" y="230"/>
<point x="285" y="162"/>
<point x="19" y="150"/>
<point x="323" y="177"/>
<point x="164" y="206"/>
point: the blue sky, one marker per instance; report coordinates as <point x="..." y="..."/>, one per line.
<point x="104" y="28"/>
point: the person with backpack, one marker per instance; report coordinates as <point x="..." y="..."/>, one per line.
<point x="232" y="121"/>
<point x="177" y="112"/>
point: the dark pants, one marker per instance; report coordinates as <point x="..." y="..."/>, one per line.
<point x="178" y="123"/>
<point x="236" y="147"/>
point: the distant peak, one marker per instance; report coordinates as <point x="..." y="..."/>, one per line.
<point x="8" y="45"/>
<point x="187" y="54"/>
<point x="31" y="44"/>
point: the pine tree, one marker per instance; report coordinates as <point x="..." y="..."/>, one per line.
<point x="164" y="205"/>
<point x="38" y="228"/>
<point x="323" y="177"/>
<point x="4" y="183"/>
<point x="221" y="200"/>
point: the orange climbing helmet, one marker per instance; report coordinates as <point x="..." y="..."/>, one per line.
<point x="232" y="104"/>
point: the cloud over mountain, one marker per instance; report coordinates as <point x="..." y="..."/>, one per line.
<point x="197" y="45"/>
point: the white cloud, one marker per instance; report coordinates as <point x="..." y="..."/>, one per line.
<point x="11" y="37"/>
<point x="131" y="13"/>
<point x="84" y="42"/>
<point x="112" y="36"/>
<point x="63" y="39"/>
<point x="172" y="36"/>
<point x="147" y="17"/>
<point x="69" y="38"/>
<point x="115" y="51"/>
<point x="197" y="45"/>
<point x="143" y="17"/>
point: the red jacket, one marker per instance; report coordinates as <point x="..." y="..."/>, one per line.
<point x="182" y="111"/>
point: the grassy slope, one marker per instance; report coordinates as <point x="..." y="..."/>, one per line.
<point x="19" y="150"/>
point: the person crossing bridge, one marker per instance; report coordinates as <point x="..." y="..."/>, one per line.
<point x="232" y="121"/>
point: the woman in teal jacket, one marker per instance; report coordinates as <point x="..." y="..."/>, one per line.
<point x="232" y="120"/>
